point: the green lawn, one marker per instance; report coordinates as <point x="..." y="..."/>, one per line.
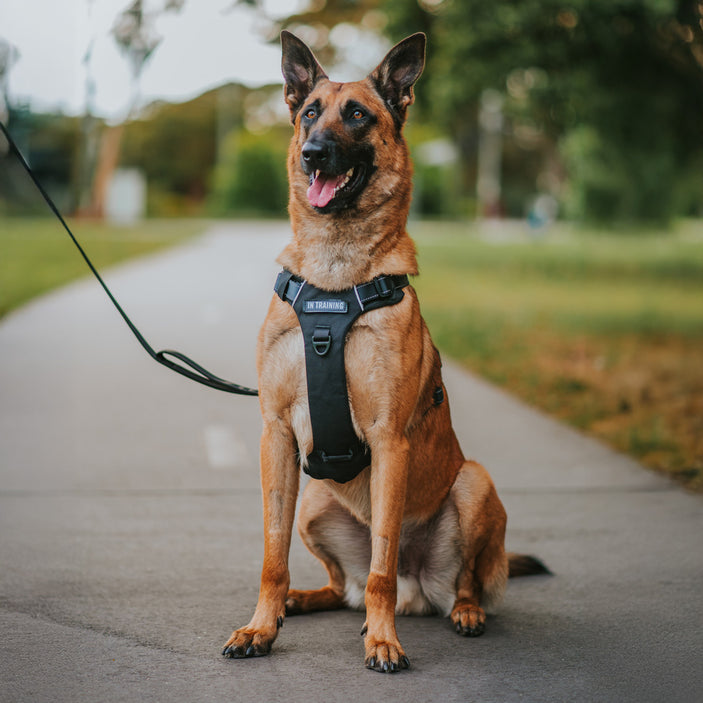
<point x="36" y="254"/>
<point x="600" y="329"/>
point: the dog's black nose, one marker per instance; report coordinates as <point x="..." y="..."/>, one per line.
<point x="315" y="153"/>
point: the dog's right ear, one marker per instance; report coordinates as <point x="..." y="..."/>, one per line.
<point x="395" y="76"/>
<point x="300" y="70"/>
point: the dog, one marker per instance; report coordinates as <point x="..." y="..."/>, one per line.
<point x="421" y="529"/>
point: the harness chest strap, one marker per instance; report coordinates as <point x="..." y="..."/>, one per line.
<point x="325" y="319"/>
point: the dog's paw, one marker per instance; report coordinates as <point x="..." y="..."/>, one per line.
<point x="386" y="657"/>
<point x="248" y="642"/>
<point x="469" y="620"/>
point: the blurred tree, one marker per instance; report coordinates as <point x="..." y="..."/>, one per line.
<point x="9" y="54"/>
<point x="251" y="176"/>
<point x="620" y="82"/>
<point x="610" y="88"/>
<point x="137" y="38"/>
<point x="49" y="143"/>
<point x="178" y="145"/>
<point x="135" y="35"/>
<point x="174" y="145"/>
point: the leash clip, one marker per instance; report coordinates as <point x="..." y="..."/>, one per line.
<point x="321" y="340"/>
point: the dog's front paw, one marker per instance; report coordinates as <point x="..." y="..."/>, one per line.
<point x="386" y="657"/>
<point x="469" y="620"/>
<point x="249" y="642"/>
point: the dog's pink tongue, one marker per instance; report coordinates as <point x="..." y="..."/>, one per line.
<point x="322" y="189"/>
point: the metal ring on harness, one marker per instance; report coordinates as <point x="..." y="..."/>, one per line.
<point x="321" y="340"/>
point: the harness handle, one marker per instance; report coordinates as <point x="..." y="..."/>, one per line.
<point x="191" y="370"/>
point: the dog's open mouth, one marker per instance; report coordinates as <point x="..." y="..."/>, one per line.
<point x="328" y="189"/>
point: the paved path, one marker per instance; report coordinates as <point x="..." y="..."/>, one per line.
<point x="130" y="522"/>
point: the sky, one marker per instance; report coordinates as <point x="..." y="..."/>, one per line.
<point x="203" y="46"/>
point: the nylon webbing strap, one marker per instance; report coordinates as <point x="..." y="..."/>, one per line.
<point x="325" y="319"/>
<point x="187" y="367"/>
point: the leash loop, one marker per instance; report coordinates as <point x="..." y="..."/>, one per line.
<point x="200" y="374"/>
<point x="191" y="370"/>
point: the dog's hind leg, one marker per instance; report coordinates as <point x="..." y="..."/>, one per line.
<point x="484" y="571"/>
<point x="339" y="541"/>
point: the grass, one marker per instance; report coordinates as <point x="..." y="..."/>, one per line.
<point x="602" y="330"/>
<point x="36" y="254"/>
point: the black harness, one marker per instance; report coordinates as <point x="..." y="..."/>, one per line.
<point x="325" y="319"/>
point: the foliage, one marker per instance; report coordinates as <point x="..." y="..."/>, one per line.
<point x="251" y="176"/>
<point x="178" y="145"/>
<point x="175" y="146"/>
<point x="49" y="143"/>
<point x="626" y="76"/>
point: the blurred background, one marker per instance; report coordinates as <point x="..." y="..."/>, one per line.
<point x="589" y="110"/>
<point x="558" y="150"/>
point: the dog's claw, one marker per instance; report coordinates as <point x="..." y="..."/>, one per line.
<point x="240" y="653"/>
<point x="469" y="620"/>
<point x="279" y="622"/>
<point x="245" y="644"/>
<point x="475" y="631"/>
<point x="364" y="630"/>
<point x="233" y="652"/>
<point x="387" y="665"/>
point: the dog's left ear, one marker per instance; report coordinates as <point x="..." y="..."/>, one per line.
<point x="300" y="70"/>
<point x="396" y="74"/>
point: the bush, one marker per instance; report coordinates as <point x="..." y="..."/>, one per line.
<point x="609" y="181"/>
<point x="251" y="177"/>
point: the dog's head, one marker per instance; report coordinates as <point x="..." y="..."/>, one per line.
<point x="347" y="153"/>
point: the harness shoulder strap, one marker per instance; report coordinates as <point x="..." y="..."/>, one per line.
<point x="325" y="319"/>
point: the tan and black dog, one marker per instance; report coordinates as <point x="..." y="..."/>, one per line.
<point x="421" y="530"/>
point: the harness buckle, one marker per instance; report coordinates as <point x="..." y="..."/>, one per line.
<point x="384" y="286"/>
<point x="332" y="459"/>
<point x="321" y="340"/>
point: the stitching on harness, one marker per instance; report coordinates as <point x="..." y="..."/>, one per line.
<point x="302" y="285"/>
<point x="358" y="297"/>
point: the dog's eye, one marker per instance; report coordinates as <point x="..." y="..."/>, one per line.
<point x="357" y="114"/>
<point x="310" y="114"/>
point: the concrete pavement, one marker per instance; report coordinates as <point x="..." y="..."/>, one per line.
<point x="130" y="521"/>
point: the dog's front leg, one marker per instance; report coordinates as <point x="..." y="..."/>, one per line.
<point x="389" y="472"/>
<point x="279" y="482"/>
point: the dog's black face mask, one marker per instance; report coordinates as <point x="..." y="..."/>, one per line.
<point x="341" y="128"/>
<point x="339" y="161"/>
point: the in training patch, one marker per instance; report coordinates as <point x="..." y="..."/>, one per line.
<point x="321" y="306"/>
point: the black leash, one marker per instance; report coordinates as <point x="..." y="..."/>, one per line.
<point x="191" y="370"/>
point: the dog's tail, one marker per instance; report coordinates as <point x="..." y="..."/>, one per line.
<point x="525" y="565"/>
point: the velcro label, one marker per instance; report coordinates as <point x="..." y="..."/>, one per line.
<point x="325" y="306"/>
